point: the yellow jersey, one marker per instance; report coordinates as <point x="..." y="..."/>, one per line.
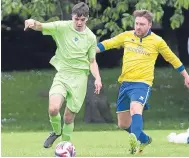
<point x="140" y="55"/>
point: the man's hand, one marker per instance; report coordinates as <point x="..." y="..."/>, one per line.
<point x="186" y="81"/>
<point x="95" y="71"/>
<point x="98" y="85"/>
<point x="33" y="24"/>
<point x="186" y="78"/>
<point x="30" y="23"/>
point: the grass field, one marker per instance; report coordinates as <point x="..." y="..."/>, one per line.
<point x="23" y="108"/>
<point x="90" y="144"/>
<point x="25" y="124"/>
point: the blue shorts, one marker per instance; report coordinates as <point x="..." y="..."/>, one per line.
<point x="133" y="91"/>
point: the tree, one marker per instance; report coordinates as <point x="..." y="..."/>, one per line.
<point x="42" y="10"/>
<point x="97" y="107"/>
<point x="116" y="16"/>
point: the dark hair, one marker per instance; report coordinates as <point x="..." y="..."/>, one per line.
<point x="80" y="9"/>
<point x="143" y="13"/>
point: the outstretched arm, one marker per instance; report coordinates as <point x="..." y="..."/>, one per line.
<point x="114" y="42"/>
<point x="169" y="56"/>
<point x="50" y="28"/>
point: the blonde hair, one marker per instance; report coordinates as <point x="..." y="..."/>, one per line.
<point x="144" y="13"/>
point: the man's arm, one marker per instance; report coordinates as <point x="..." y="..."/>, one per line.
<point x="94" y="66"/>
<point x="50" y="28"/>
<point x="114" y="42"/>
<point x="95" y="72"/>
<point x="169" y="56"/>
<point x="94" y="69"/>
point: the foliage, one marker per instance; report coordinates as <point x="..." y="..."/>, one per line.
<point x="116" y="17"/>
<point x="42" y="10"/>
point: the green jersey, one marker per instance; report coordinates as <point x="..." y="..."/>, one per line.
<point x="74" y="49"/>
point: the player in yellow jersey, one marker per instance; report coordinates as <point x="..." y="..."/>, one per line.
<point x="141" y="49"/>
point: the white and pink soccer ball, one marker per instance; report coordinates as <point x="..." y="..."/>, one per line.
<point x="65" y="149"/>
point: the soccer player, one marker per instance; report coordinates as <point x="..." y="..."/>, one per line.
<point x="141" y="49"/>
<point x="75" y="56"/>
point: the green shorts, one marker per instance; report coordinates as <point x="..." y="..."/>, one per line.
<point x="72" y="87"/>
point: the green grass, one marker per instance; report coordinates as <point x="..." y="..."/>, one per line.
<point x="25" y="122"/>
<point x="104" y="143"/>
<point x="24" y="109"/>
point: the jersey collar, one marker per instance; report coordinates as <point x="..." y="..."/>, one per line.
<point x="148" y="33"/>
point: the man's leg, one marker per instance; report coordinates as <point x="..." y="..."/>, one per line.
<point x="123" y="113"/>
<point x="130" y="113"/>
<point x="68" y="126"/>
<point x="139" y="94"/>
<point x="57" y="94"/>
<point x="123" y="108"/>
<point x="137" y="121"/>
<point x="55" y="103"/>
<point x="77" y="87"/>
<point x="124" y="120"/>
<point x="137" y="127"/>
<point x="125" y="123"/>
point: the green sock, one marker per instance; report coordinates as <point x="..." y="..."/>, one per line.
<point x="67" y="131"/>
<point x="56" y="123"/>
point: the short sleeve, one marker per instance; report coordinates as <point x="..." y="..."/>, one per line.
<point x="52" y="28"/>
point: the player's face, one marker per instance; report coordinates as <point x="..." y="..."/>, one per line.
<point x="79" y="22"/>
<point x="142" y="25"/>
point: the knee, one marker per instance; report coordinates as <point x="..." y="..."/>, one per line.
<point x="136" y="108"/>
<point x="53" y="110"/>
<point x="123" y="125"/>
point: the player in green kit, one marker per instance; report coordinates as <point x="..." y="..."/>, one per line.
<point x="74" y="57"/>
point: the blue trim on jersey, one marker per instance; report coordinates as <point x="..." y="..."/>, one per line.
<point x="149" y="33"/>
<point x="101" y="47"/>
<point x="181" y="68"/>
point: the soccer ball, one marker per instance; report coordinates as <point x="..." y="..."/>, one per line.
<point x="65" y="149"/>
